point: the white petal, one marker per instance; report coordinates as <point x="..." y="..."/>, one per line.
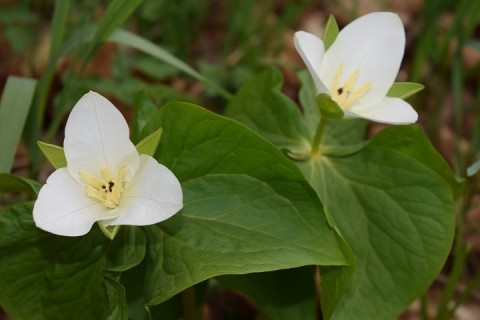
<point x="374" y="44"/>
<point x="63" y="207"/>
<point x="389" y="110"/>
<point x="152" y="196"/>
<point x="311" y="49"/>
<point x="96" y="134"/>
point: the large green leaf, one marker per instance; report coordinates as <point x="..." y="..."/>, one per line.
<point x="391" y="200"/>
<point x="44" y="276"/>
<point x="246" y="207"/>
<point x="411" y="140"/>
<point x="397" y="215"/>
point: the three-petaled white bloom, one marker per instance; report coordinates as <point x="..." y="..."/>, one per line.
<point x="360" y="67"/>
<point x="105" y="180"/>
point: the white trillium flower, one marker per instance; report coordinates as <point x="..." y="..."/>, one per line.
<point x="360" y="67"/>
<point x="106" y="180"/>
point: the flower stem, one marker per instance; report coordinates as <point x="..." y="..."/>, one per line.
<point x="318" y="135"/>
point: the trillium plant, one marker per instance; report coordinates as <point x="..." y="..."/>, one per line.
<point x="293" y="205"/>
<point x="106" y="180"/>
<point x="360" y="66"/>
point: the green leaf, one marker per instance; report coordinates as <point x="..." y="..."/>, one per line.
<point x="260" y="105"/>
<point x="391" y="200"/>
<point x="246" y="207"/>
<point x="54" y="154"/>
<point x="335" y="280"/>
<point x="330" y="33"/>
<point x="412" y="141"/>
<point x="64" y="275"/>
<point x="398" y="216"/>
<point x="150" y="143"/>
<point x="133" y="281"/>
<point x="404" y="90"/>
<point x="116" y="299"/>
<point x="12" y="183"/>
<point x="14" y="105"/>
<point x="142" y="112"/>
<point x="284" y="294"/>
<point x="117" y="12"/>
<point x="127" y="250"/>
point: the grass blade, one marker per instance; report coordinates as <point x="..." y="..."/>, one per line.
<point x="132" y="40"/>
<point x="117" y="12"/>
<point x="14" y="106"/>
<point x="35" y="119"/>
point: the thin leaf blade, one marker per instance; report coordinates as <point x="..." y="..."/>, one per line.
<point x="14" y="107"/>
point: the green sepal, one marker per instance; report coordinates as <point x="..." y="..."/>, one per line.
<point x="149" y="144"/>
<point x="54" y="154"/>
<point x="329" y="109"/>
<point x="330" y="33"/>
<point x="404" y="90"/>
<point x="110" y="232"/>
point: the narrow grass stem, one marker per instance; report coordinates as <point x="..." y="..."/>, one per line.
<point x="444" y="311"/>
<point x="318" y="135"/>
<point x="424" y="307"/>
<point x="189" y="302"/>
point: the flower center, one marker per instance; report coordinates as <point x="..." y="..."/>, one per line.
<point x="108" y="189"/>
<point x="345" y="95"/>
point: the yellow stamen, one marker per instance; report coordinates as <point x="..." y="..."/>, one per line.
<point x="334" y="92"/>
<point x="346" y="95"/>
<point x="108" y="189"/>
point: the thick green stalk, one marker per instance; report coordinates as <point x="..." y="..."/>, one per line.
<point x="318" y="135"/>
